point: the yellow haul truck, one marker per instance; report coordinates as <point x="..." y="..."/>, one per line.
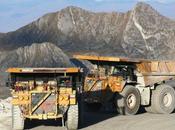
<point x="130" y="83"/>
<point x="44" y="93"/>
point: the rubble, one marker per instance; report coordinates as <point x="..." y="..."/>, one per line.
<point x="5" y="107"/>
<point x="5" y="114"/>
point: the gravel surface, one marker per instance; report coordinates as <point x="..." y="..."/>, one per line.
<point x="102" y="120"/>
<point x="106" y="121"/>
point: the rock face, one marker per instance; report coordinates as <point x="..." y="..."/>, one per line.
<point x="36" y="55"/>
<point x="148" y="34"/>
<point x="141" y="32"/>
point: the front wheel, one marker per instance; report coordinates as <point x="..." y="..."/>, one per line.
<point x="72" y="117"/>
<point x="17" y="118"/>
<point x="128" y="101"/>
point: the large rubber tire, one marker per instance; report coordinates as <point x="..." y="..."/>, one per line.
<point x="163" y="101"/>
<point x="81" y="109"/>
<point x="17" y="118"/>
<point x="128" y="101"/>
<point x="72" y="117"/>
<point x="151" y="107"/>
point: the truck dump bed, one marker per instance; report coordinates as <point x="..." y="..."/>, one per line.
<point x="154" y="71"/>
<point x="43" y="70"/>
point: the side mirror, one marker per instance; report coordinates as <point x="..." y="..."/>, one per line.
<point x="8" y="84"/>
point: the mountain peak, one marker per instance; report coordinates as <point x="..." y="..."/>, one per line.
<point x="142" y="4"/>
<point x="36" y="55"/>
<point x="141" y="33"/>
<point x="144" y="7"/>
<point x="73" y="8"/>
<point x="77" y="30"/>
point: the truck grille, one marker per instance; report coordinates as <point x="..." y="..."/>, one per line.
<point x="43" y="103"/>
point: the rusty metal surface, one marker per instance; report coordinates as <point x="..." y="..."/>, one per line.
<point x="144" y="66"/>
<point x="105" y="58"/>
<point x="156" y="71"/>
<point x="164" y="67"/>
<point x="153" y="71"/>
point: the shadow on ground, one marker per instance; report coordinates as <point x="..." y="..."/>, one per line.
<point x="29" y="124"/>
<point x="90" y="118"/>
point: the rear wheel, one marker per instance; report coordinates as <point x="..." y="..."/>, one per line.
<point x="17" y="118"/>
<point x="72" y="117"/>
<point x="163" y="99"/>
<point x="151" y="108"/>
<point x="128" y="101"/>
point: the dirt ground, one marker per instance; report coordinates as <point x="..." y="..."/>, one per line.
<point x="111" y="121"/>
<point x="102" y="120"/>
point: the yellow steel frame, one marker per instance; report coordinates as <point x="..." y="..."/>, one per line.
<point x="65" y="102"/>
<point x="43" y="70"/>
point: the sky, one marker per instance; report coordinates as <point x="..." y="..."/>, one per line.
<point x="17" y="13"/>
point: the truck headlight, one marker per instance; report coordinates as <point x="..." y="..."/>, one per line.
<point x="15" y="96"/>
<point x="72" y="96"/>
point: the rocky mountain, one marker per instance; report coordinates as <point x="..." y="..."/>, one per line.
<point x="149" y="34"/>
<point x="141" y="32"/>
<point x="36" y="55"/>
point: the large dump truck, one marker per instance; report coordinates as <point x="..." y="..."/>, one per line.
<point x="130" y="83"/>
<point x="44" y="93"/>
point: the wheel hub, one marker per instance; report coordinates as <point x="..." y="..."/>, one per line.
<point x="131" y="101"/>
<point x="167" y="99"/>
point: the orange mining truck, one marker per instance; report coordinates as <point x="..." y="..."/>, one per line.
<point x="130" y="83"/>
<point x="43" y="94"/>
